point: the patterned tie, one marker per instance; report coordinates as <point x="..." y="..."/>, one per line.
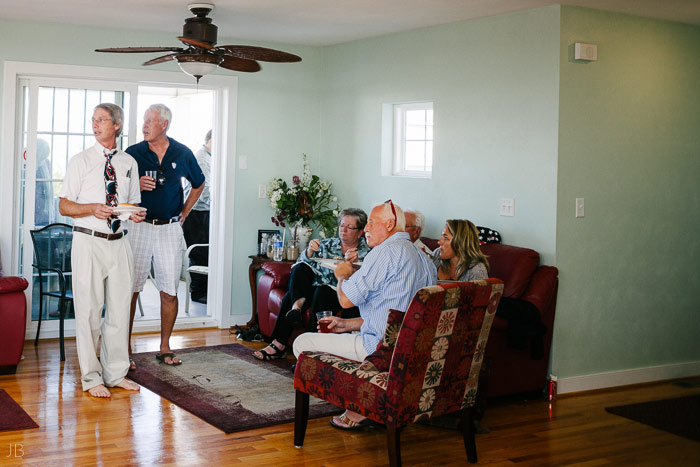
<point x="111" y="189"/>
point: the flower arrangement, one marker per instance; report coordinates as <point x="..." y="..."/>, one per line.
<point x="308" y="200"/>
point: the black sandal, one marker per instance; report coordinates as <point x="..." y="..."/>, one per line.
<point x="270" y="356"/>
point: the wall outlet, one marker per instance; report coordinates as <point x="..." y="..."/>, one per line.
<point x="507" y="207"/>
<point x="262" y="191"/>
<point x="579" y="207"/>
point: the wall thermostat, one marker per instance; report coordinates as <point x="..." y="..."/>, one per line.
<point x="585" y="51"/>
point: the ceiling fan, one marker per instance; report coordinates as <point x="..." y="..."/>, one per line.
<point x="202" y="56"/>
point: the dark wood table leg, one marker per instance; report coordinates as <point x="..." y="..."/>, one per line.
<point x="253" y="269"/>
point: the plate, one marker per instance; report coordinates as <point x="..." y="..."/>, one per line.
<point x="127" y="209"/>
<point x="331" y="263"/>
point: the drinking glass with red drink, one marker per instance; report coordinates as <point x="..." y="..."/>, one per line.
<point x="324" y="319"/>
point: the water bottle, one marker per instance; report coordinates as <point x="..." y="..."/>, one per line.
<point x="277" y="249"/>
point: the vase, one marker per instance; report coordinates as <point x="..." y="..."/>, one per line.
<point x="303" y="235"/>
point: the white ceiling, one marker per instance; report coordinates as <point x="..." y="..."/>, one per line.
<point x="314" y="22"/>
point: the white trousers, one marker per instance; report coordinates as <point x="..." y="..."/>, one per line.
<point x="347" y="345"/>
<point x="102" y="275"/>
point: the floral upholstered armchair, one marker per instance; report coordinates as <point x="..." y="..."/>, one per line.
<point x="427" y="365"/>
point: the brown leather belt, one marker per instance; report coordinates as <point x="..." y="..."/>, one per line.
<point x="162" y="221"/>
<point x="95" y="233"/>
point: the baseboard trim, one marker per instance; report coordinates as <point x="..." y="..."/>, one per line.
<point x="626" y="377"/>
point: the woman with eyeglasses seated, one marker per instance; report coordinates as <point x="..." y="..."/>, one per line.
<point x="459" y="256"/>
<point x="310" y="282"/>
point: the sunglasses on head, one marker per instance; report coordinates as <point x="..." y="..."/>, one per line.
<point x="393" y="210"/>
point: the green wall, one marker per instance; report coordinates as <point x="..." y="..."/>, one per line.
<point x="494" y="84"/>
<point x="629" y="143"/>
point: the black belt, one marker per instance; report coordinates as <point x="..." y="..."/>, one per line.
<point x="162" y="221"/>
<point x="95" y="233"/>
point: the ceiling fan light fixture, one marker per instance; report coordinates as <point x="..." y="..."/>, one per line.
<point x="198" y="65"/>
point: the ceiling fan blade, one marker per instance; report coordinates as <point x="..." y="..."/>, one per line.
<point x="140" y="49"/>
<point x="164" y="58"/>
<point x="259" y="53"/>
<point x="240" y="64"/>
<point x="196" y="43"/>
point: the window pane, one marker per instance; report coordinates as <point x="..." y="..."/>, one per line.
<point x="415" y="117"/>
<point x="77" y="111"/>
<point x="415" y="155"/>
<point x="92" y="98"/>
<point x="60" y="110"/>
<point x="415" y="132"/>
<point x="108" y="97"/>
<point x="429" y="156"/>
<point x="45" y="109"/>
<point x="58" y="156"/>
<point x="76" y="143"/>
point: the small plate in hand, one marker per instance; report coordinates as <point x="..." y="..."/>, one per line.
<point x="123" y="209"/>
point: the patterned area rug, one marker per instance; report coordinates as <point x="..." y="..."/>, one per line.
<point x="678" y="416"/>
<point x="12" y="416"/>
<point x="227" y="387"/>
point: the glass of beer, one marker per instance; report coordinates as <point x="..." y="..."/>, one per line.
<point x="324" y="319"/>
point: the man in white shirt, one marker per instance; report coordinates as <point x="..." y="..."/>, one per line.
<point x="415" y="220"/>
<point x="97" y="180"/>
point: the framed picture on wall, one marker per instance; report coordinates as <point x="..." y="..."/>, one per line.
<point x="269" y="233"/>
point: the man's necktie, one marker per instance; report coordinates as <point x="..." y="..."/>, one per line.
<point x="111" y="189"/>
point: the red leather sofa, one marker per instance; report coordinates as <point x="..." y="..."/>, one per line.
<point x="512" y="371"/>
<point x="13" y="315"/>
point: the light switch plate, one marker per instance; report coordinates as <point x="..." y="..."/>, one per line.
<point x="579" y="207"/>
<point x="243" y="162"/>
<point x="262" y="191"/>
<point x="507" y="207"/>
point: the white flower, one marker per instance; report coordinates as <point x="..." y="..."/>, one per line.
<point x="336" y="213"/>
<point x="335" y="200"/>
<point x="322" y="234"/>
<point x="274" y="184"/>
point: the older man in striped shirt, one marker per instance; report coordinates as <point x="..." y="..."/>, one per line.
<point x="389" y="277"/>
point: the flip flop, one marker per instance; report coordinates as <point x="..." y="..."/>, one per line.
<point x="132" y="364"/>
<point x="161" y="358"/>
<point x="350" y="425"/>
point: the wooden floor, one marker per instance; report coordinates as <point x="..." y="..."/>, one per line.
<point x="143" y="429"/>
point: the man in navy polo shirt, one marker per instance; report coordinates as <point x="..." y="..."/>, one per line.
<point x="159" y="239"/>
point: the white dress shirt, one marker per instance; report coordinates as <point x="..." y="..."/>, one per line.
<point x="84" y="183"/>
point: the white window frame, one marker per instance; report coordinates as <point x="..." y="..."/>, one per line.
<point x="394" y="139"/>
<point x="225" y="115"/>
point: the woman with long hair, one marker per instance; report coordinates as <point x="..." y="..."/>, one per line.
<point x="459" y="256"/>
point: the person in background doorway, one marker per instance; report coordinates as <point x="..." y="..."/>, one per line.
<point x="43" y="198"/>
<point x="196" y="226"/>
